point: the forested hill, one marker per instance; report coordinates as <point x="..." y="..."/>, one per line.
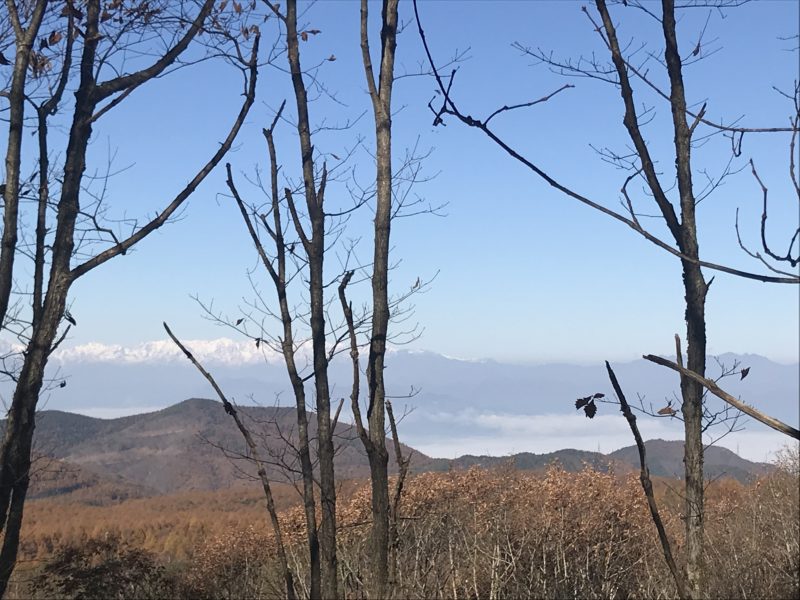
<point x="180" y="449"/>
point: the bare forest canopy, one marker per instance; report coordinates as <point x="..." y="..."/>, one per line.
<point x="626" y="186"/>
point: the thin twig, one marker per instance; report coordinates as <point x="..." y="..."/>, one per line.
<point x="262" y="473"/>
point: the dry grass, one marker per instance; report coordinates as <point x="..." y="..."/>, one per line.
<point x="513" y="534"/>
<point x="510" y="534"/>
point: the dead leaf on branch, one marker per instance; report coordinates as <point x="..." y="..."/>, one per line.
<point x="248" y="31"/>
<point x="590" y="409"/>
<point x="70" y="10"/>
<point x="588" y="405"/>
<point x="668" y="410"/>
<point x="304" y="34"/>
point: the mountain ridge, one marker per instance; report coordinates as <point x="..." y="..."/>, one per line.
<point x="441" y="385"/>
<point x="179" y="449"/>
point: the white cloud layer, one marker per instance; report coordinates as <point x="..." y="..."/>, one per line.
<point x="112" y="412"/>
<point x="505" y="434"/>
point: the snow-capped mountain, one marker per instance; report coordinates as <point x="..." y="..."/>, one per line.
<point x="454" y="406"/>
<point x="222" y="351"/>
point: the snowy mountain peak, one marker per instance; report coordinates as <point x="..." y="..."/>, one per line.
<point x="219" y="351"/>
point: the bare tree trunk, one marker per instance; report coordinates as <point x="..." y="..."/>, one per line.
<point x="315" y="250"/>
<point x="279" y="277"/>
<point x="15" y="456"/>
<point x="15" y="453"/>
<point x="695" y="288"/>
<point x="692" y="409"/>
<point x="329" y="570"/>
<point x="394" y="507"/>
<point x="24" y="40"/>
<point x="377" y="453"/>
<point x="15" y="459"/>
<point x="309" y="506"/>
<point x="684" y="231"/>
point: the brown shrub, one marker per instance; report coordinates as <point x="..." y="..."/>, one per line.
<point x="504" y="533"/>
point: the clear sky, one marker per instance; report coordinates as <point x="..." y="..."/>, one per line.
<point x="524" y="274"/>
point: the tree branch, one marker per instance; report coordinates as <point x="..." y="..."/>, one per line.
<point x="118" y="84"/>
<point x="712" y="387"/>
<point x="254" y="451"/>
<point x="647" y="486"/>
<point x="164" y="215"/>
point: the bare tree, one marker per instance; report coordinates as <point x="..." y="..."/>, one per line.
<point x="375" y="440"/>
<point x="678" y="215"/>
<point x="292" y="240"/>
<point x="98" y="36"/>
<point x="281" y="275"/>
<point x="300" y="237"/>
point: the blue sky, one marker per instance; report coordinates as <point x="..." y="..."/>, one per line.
<point x="524" y="274"/>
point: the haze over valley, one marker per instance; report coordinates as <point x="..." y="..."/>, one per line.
<point x="456" y="406"/>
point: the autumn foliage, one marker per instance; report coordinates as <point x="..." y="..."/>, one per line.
<point x="500" y="533"/>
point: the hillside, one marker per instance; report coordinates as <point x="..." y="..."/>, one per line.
<point x="67" y="482"/>
<point x="664" y="457"/>
<point x="178" y="449"/>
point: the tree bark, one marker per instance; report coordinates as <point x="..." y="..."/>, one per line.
<point x="24" y="40"/>
<point x="377" y="452"/>
<point x="15" y="453"/>
<point x="15" y="456"/>
<point x="684" y="231"/>
<point x="695" y="288"/>
<point x="315" y="250"/>
<point x="692" y="409"/>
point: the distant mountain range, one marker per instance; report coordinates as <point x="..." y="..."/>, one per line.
<point x="179" y="449"/>
<point x="108" y="378"/>
<point x="454" y="406"/>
